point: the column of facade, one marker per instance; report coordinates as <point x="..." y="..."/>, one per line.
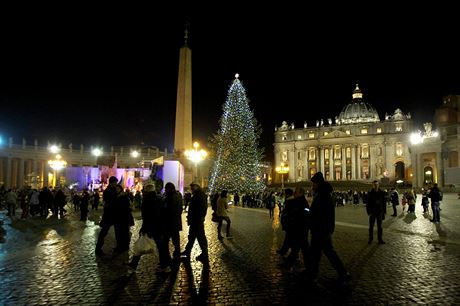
<point x="34" y="167"/>
<point x="440" y="170"/>
<point x="304" y="163"/>
<point x="45" y="174"/>
<point x="319" y="166"/>
<point x="344" y="163"/>
<point x="2" y="174"/>
<point x="331" y="163"/>
<point x="8" y="173"/>
<point x="292" y="164"/>
<point x="353" y="162"/>
<point x="384" y="153"/>
<point x="35" y="173"/>
<point x="307" y="163"/>
<point x="415" y="181"/>
<point x="20" y="182"/>
<point x="358" y="162"/>
<point x="14" y="172"/>
<point x="370" y="159"/>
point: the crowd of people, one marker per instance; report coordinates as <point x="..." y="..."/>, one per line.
<point x="308" y="227"/>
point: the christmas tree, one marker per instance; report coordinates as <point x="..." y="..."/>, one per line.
<point x="237" y="160"/>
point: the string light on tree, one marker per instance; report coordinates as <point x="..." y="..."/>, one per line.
<point x="237" y="162"/>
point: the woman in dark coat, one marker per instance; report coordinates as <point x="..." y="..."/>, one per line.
<point x="123" y="220"/>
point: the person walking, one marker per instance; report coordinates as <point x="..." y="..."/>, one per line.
<point x="322" y="224"/>
<point x="195" y="219"/>
<point x="394" y="197"/>
<point x="154" y="220"/>
<point x="173" y="204"/>
<point x="425" y="201"/>
<point x="271" y="204"/>
<point x="84" y="203"/>
<point x="376" y="210"/>
<point x="221" y="211"/>
<point x="289" y="194"/>
<point x="297" y="218"/>
<point x="109" y="197"/>
<point x="411" y="198"/>
<point x="435" y="195"/>
<point x="123" y="220"/>
<point x="11" y="199"/>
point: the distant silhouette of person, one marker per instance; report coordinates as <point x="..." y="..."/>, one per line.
<point x="84" y="202"/>
<point x="394" y="197"/>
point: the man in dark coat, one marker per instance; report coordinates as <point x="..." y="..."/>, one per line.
<point x="109" y="197"/>
<point x="376" y="209"/>
<point x="195" y="219"/>
<point x="173" y="206"/>
<point x="322" y="225"/>
<point x="154" y="225"/>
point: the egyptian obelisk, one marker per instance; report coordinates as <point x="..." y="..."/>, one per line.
<point x="183" y="132"/>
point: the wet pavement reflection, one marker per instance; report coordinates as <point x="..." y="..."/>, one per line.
<point x="52" y="261"/>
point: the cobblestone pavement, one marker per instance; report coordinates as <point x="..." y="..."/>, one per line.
<point x="52" y="262"/>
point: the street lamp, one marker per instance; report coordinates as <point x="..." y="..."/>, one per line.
<point x="196" y="155"/>
<point x="282" y="169"/>
<point x="57" y="164"/>
<point x="97" y="152"/>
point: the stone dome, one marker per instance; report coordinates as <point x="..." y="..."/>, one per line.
<point x="358" y="111"/>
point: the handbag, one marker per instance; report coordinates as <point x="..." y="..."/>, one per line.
<point x="143" y="245"/>
<point x="215" y="217"/>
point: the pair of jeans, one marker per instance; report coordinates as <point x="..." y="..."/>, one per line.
<point x="372" y="219"/>
<point x="436" y="212"/>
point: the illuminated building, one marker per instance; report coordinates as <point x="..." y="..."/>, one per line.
<point x="356" y="145"/>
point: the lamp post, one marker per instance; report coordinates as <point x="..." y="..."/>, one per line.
<point x="195" y="155"/>
<point x="282" y="169"/>
<point x="57" y="164"/>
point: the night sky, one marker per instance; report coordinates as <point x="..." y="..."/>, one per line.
<point x="110" y="78"/>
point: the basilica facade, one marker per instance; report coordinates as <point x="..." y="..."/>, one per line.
<point x="355" y="145"/>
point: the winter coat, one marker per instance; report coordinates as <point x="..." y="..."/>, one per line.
<point x="376" y="204"/>
<point x="198" y="207"/>
<point x="173" y="210"/>
<point x="222" y="207"/>
<point x="153" y="211"/>
<point x="322" y="211"/>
